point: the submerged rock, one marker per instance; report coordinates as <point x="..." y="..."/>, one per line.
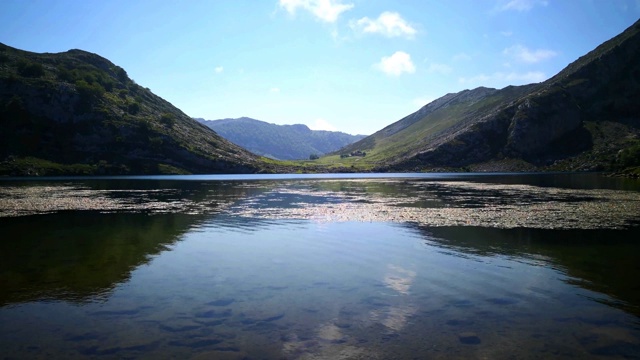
<point x="469" y="338"/>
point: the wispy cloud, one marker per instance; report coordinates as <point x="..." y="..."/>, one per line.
<point x="274" y="90"/>
<point x="219" y="69"/>
<point x="461" y="57"/>
<point x="325" y="10"/>
<point x="389" y="24"/>
<point x="511" y="78"/>
<point x="506" y="33"/>
<point x="524" y="54"/>
<point x="322" y="124"/>
<point x="443" y="69"/>
<point x="520" y="5"/>
<point x="396" y="64"/>
<point x="422" y="101"/>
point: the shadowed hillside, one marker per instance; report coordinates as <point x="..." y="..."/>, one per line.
<point x="78" y="113"/>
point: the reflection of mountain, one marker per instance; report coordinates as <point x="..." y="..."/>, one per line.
<point x="605" y="261"/>
<point x="80" y="256"/>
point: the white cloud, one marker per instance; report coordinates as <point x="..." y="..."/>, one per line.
<point x="510" y="78"/>
<point x="396" y="64"/>
<point x="219" y="69"/>
<point x="274" y="90"/>
<point x="325" y="10"/>
<point x="389" y="24"/>
<point x="528" y="77"/>
<point x="506" y="33"/>
<point x="322" y="124"/>
<point x="462" y="57"/>
<point x="520" y="5"/>
<point x="443" y="69"/>
<point x="529" y="56"/>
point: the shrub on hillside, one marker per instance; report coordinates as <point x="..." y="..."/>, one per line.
<point x="30" y="69"/>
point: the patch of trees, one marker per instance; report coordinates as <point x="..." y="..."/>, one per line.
<point x="167" y="119"/>
<point x="630" y="156"/>
<point x="30" y="69"/>
<point x="89" y="93"/>
<point x="87" y="73"/>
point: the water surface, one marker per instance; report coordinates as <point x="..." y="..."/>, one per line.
<point x="373" y="267"/>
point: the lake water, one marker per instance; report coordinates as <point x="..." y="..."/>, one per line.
<point x="404" y="266"/>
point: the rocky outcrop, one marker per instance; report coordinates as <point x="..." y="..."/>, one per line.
<point x="540" y="120"/>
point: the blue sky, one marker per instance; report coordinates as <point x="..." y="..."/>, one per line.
<point x="348" y="65"/>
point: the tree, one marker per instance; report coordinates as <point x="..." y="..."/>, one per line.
<point x="133" y="108"/>
<point x="314" y="157"/>
<point x="121" y="74"/>
<point x="167" y="119"/>
<point x="89" y="93"/>
<point x="30" y="69"/>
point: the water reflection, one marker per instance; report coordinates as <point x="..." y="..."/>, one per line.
<point x="80" y="256"/>
<point x="605" y="261"/>
<point x="317" y="269"/>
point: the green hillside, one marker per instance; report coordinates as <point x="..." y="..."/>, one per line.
<point x="78" y="113"/>
<point x="585" y="118"/>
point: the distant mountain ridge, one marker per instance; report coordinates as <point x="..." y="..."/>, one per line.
<point x="587" y="117"/>
<point x="284" y="142"/>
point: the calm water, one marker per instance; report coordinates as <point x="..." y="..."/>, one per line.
<point x="287" y="267"/>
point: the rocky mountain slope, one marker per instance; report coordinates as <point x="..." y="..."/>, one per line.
<point x="284" y="142"/>
<point x="587" y="117"/>
<point x="78" y="113"/>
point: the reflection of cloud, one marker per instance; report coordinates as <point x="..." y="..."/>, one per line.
<point x="399" y="279"/>
<point x="393" y="317"/>
<point x="329" y="343"/>
<point x="330" y="332"/>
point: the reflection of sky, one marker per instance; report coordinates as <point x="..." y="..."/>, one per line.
<point x="334" y="284"/>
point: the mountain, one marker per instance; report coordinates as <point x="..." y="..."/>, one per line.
<point x="587" y="117"/>
<point x="77" y="113"/>
<point x="284" y="142"/>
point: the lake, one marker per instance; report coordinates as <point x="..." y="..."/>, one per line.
<point x="369" y="266"/>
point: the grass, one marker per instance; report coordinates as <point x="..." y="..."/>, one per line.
<point x="32" y="166"/>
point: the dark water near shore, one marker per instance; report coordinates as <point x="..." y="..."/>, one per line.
<point x="305" y="267"/>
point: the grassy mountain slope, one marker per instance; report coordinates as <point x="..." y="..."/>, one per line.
<point x="78" y="113"/>
<point x="587" y="117"/>
<point x="285" y="142"/>
<point x="438" y="118"/>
